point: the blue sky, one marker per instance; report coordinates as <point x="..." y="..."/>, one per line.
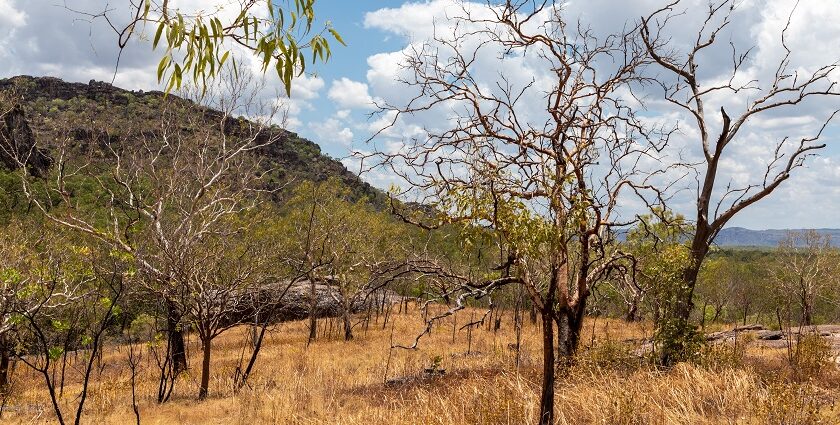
<point x="350" y="61"/>
<point x="331" y="105"/>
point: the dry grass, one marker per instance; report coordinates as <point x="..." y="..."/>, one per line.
<point x="339" y="382"/>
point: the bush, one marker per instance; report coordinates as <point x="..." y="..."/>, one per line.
<point x="723" y="356"/>
<point x="810" y="357"/>
<point x="611" y="355"/>
<point x="790" y="404"/>
<point x="680" y="339"/>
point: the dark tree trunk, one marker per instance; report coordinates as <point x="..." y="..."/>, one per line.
<point x="547" y="397"/>
<point x="313" y="318"/>
<point x="5" y="380"/>
<point x="718" y="309"/>
<point x="677" y="324"/>
<point x="569" y="324"/>
<point x="632" y="313"/>
<point x="204" y="388"/>
<point x="177" y="347"/>
<point x="258" y="341"/>
<point x="807" y="312"/>
<point x="348" y="327"/>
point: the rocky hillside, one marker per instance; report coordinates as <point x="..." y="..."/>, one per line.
<point x="52" y="108"/>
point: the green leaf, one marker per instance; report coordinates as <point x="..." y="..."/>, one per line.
<point x="164" y="63"/>
<point x="55" y="353"/>
<point x="158" y="34"/>
<point x="86" y="340"/>
<point x="337" y="36"/>
<point x="178" y="74"/>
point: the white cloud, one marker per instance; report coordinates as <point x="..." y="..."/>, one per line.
<point x="306" y="87"/>
<point x="10" y="15"/>
<point x="332" y="130"/>
<point x="11" y="18"/>
<point x="79" y="51"/>
<point x="350" y="94"/>
<point x="813" y="34"/>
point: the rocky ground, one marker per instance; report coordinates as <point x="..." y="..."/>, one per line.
<point x="759" y="335"/>
<point x="778" y="338"/>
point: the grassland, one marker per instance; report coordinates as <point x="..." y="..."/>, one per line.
<point x="338" y="382"/>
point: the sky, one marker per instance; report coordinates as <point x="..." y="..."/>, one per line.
<point x="333" y="104"/>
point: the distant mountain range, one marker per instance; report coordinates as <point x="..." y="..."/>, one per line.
<point x="739" y="236"/>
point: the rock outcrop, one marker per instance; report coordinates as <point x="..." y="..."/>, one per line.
<point x="284" y="302"/>
<point x="17" y="143"/>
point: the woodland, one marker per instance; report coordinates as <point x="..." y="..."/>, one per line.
<point x="180" y="256"/>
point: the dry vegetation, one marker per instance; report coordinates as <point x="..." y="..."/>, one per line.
<point x="333" y="381"/>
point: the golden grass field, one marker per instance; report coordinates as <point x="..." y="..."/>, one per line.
<point x="338" y="382"/>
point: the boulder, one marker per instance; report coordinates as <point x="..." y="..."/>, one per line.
<point x="752" y="327"/>
<point x="767" y="335"/>
<point x="285" y="302"/>
<point x="714" y="336"/>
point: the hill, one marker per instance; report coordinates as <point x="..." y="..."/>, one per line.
<point x="53" y="108"/>
<point x="739" y="236"/>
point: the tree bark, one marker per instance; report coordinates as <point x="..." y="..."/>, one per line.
<point x="204" y="388"/>
<point x="807" y="312"/>
<point x="632" y="312"/>
<point x="348" y="327"/>
<point x="4" y="364"/>
<point x="547" y="397"/>
<point x="679" y="326"/>
<point x="177" y="347"/>
<point x="569" y="324"/>
<point x="313" y="318"/>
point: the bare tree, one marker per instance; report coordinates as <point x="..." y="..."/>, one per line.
<point x="226" y="269"/>
<point x="547" y="183"/>
<point x="804" y="269"/>
<point x="683" y="87"/>
<point x="168" y="190"/>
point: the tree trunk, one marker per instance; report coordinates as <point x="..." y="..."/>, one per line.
<point x="348" y="327"/>
<point x="203" y="389"/>
<point x="258" y="340"/>
<point x="807" y="313"/>
<point x="676" y="325"/>
<point x="568" y="333"/>
<point x="177" y="347"/>
<point x="313" y="318"/>
<point x="5" y="380"/>
<point x="632" y="312"/>
<point x="547" y="398"/>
